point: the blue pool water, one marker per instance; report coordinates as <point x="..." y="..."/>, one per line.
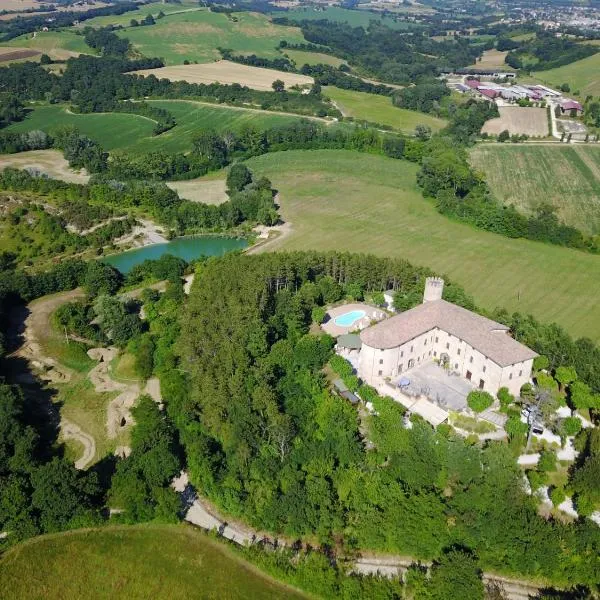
<point x="348" y="319"/>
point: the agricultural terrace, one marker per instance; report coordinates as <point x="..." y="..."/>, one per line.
<point x="583" y="76"/>
<point x="143" y="11"/>
<point x="196" y="35"/>
<point x="59" y="45"/>
<point x="362" y="203"/>
<point x="355" y="18"/>
<point x="529" y="121"/>
<point x="567" y="177"/>
<point x="227" y="72"/>
<point x="379" y="109"/>
<point x="136" y="562"/>
<point x="120" y="130"/>
<point x="492" y="59"/>
<point x="49" y="162"/>
<point x="300" y="57"/>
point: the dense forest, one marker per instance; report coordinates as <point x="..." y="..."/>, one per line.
<point x="266" y="439"/>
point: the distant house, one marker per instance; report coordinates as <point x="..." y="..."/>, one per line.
<point x="473" y="83"/>
<point x="571" y="105"/>
<point x="474" y="347"/>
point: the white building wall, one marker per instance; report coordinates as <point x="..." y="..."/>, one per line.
<point x="376" y="364"/>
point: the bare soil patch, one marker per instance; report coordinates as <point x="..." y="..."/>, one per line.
<point x="520" y="120"/>
<point x="226" y="72"/>
<point x="50" y="162"/>
<point x="11" y="54"/>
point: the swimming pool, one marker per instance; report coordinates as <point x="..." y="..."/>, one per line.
<point x="348" y="319"/>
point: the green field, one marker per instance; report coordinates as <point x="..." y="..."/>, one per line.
<point x="195" y="36"/>
<point x="356" y="18"/>
<point x="147" y="9"/>
<point x="110" y="130"/>
<point x="567" y="177"/>
<point x="133" y="562"/>
<point x="312" y="58"/>
<point x="379" y="109"/>
<point x="118" y="130"/>
<point x="583" y="76"/>
<point x="362" y="203"/>
<point x="60" y="45"/>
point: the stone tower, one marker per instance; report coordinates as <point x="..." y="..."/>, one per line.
<point x="434" y="286"/>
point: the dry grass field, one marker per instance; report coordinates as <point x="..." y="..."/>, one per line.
<point x="530" y="121"/>
<point x="209" y="189"/>
<point x="50" y="162"/>
<point x="492" y="59"/>
<point x="15" y="54"/>
<point x="19" y="4"/>
<point x="564" y="176"/>
<point x="226" y="72"/>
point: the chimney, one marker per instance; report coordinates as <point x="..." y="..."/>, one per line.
<point x="434" y="286"/>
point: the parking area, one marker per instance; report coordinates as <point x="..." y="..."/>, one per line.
<point x="446" y="390"/>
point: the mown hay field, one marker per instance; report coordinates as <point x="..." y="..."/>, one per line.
<point x="516" y="119"/>
<point x="362" y="203"/>
<point x="227" y="72"/>
<point x="564" y="176"/>
<point x="134" y="562"/>
<point x="49" y="162"/>
<point x="379" y="109"/>
<point x="583" y="76"/>
<point x="196" y="35"/>
<point x="114" y="131"/>
<point x="492" y="59"/>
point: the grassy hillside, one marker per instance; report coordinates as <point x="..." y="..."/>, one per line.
<point x="583" y="76"/>
<point x="196" y="35"/>
<point x="567" y="177"/>
<point x="117" y="130"/>
<point x="111" y="130"/>
<point x="356" y="18"/>
<point x="379" y="109"/>
<point x="312" y="58"/>
<point x="59" y="45"/>
<point x="133" y="562"/>
<point x="362" y="203"/>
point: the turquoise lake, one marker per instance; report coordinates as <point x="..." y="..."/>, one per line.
<point x="188" y="248"/>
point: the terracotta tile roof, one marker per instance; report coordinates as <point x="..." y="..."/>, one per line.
<point x="488" y="337"/>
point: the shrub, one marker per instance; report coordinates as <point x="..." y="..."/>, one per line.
<point x="536" y="479"/>
<point x="557" y="495"/>
<point x="505" y="398"/>
<point x="571" y="426"/>
<point x="318" y="314"/>
<point x="547" y="462"/>
<point x="515" y="427"/>
<point x="479" y="401"/>
<point x="341" y="366"/>
<point x="503" y="136"/>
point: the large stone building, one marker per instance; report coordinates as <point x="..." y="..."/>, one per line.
<point x="473" y="346"/>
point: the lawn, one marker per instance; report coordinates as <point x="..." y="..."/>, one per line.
<point x="341" y="200"/>
<point x="110" y="130"/>
<point x="567" y="177"/>
<point x="379" y="109"/>
<point x="195" y="36"/>
<point x="583" y="76"/>
<point x="133" y="562"/>
<point x="355" y="18"/>
<point x="119" y="130"/>
<point x="59" y="45"/>
<point x="312" y="58"/>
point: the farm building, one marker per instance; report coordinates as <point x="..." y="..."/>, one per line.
<point x="477" y="349"/>
<point x="544" y="91"/>
<point x="570" y="106"/>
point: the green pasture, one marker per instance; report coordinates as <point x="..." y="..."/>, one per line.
<point x="355" y="18"/>
<point x="119" y="130"/>
<point x="134" y="562"/>
<point x="565" y="176"/>
<point x="110" y="130"/>
<point x="363" y="203"/>
<point x="300" y="57"/>
<point x="583" y="76"/>
<point x="58" y="44"/>
<point x="196" y="35"/>
<point x="379" y="109"/>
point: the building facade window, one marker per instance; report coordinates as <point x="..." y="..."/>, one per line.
<point x="412" y="348"/>
<point x="437" y="339"/>
<point x="447" y="345"/>
<point x="380" y="373"/>
<point x="510" y="375"/>
<point x="521" y="373"/>
<point x="402" y="354"/>
<point x="456" y="365"/>
<point x="484" y="368"/>
<point x="381" y="361"/>
<point x="458" y="352"/>
<point x="471" y="359"/>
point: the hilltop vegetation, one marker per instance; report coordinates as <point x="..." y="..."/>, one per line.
<point x="583" y="76"/>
